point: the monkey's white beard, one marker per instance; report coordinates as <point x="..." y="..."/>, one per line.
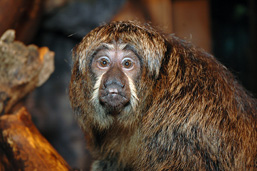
<point x="95" y="94"/>
<point x="133" y="99"/>
<point x="101" y="118"/>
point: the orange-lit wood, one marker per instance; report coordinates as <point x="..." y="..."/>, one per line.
<point x="24" y="148"/>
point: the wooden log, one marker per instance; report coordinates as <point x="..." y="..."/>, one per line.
<point x="22" y="147"/>
<point x="22" y="69"/>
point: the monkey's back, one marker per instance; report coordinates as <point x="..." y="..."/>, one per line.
<point x="200" y="117"/>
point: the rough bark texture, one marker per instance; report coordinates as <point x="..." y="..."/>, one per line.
<point x="22" y="69"/>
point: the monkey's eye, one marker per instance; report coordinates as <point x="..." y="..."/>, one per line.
<point x="127" y="63"/>
<point x="103" y="62"/>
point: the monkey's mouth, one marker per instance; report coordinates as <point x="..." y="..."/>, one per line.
<point x="113" y="101"/>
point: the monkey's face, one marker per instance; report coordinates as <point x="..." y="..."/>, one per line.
<point x="116" y="69"/>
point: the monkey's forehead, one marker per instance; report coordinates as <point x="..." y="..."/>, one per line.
<point x="142" y="36"/>
<point x="114" y="45"/>
<point x="148" y="42"/>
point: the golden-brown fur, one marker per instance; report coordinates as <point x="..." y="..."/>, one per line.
<point x="191" y="114"/>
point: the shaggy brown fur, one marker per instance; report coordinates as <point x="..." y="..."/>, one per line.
<point x="192" y="113"/>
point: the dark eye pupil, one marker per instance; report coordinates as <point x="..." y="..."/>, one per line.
<point x="127" y="64"/>
<point x="103" y="62"/>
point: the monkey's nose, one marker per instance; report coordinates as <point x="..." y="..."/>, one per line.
<point x="111" y="83"/>
<point x="113" y="91"/>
